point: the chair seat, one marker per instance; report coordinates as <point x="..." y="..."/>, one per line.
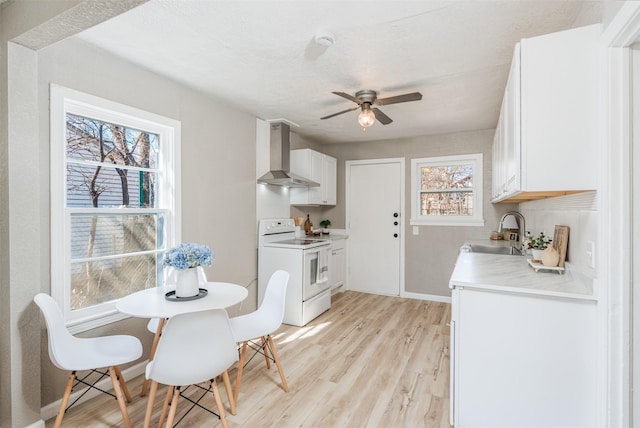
<point x="152" y="325"/>
<point x="89" y="353"/>
<point x="253" y="325"/>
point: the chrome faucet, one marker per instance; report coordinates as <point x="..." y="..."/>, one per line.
<point x="522" y="229"/>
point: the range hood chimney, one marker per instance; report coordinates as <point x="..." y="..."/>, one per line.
<point x="279" y="146"/>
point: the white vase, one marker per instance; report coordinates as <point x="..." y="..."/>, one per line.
<point x="187" y="282"/>
<point x="550" y="257"/>
<point x="537" y="254"/>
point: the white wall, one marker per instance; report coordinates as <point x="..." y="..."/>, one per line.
<point x="431" y="255"/>
<point x="218" y="168"/>
<point x="579" y="212"/>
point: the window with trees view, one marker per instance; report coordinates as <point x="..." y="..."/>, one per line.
<point x="113" y="192"/>
<point x="447" y="190"/>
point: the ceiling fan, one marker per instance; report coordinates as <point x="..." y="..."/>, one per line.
<point x="366" y="99"/>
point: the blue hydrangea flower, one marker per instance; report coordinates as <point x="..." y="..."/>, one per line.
<point x="188" y="255"/>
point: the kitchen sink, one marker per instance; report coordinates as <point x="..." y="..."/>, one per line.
<point x="489" y="249"/>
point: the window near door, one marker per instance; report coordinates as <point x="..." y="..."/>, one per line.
<point x="114" y="203"/>
<point x="447" y="191"/>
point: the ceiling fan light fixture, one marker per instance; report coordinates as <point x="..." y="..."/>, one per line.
<point x="366" y="118"/>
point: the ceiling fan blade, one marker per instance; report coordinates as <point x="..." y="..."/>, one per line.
<point x="340" y="112"/>
<point x="414" y="96"/>
<point x="382" y="118"/>
<point x="349" y="97"/>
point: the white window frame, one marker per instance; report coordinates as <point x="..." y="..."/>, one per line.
<point x="476" y="219"/>
<point x="62" y="101"/>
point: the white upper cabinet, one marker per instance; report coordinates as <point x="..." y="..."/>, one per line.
<point x="317" y="167"/>
<point x="545" y="142"/>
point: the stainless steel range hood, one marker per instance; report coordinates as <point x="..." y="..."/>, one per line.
<point x="279" y="146"/>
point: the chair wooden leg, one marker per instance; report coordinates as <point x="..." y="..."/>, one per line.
<point x="243" y="356"/>
<point x="265" y="351"/>
<point x="118" y="394"/>
<point x="65" y="399"/>
<point x="216" y="395"/>
<point x="165" y="406"/>
<point x="152" y="353"/>
<point x="277" y="360"/>
<point x="227" y="386"/>
<point x="123" y="384"/>
<point x="174" y="407"/>
<point x="150" y="400"/>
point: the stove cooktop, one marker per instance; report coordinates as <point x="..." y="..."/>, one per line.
<point x="299" y="241"/>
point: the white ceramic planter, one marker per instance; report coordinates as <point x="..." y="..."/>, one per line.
<point x="187" y="282"/>
<point x="537" y="254"/>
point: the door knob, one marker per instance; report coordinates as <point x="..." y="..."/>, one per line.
<point x="395" y="214"/>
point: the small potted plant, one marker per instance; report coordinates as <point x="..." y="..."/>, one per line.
<point x="537" y="245"/>
<point x="324" y="224"/>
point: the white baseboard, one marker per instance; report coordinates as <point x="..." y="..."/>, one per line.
<point x="36" y="424"/>
<point x="50" y="410"/>
<point x="430" y="297"/>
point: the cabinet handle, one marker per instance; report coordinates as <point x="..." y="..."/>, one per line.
<point x="395" y="235"/>
<point x="395" y="214"/>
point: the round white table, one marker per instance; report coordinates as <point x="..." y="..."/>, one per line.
<point x="151" y="303"/>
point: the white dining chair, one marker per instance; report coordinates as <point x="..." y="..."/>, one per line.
<point x="247" y="329"/>
<point x="74" y="354"/>
<point x="155" y="325"/>
<point x="194" y="348"/>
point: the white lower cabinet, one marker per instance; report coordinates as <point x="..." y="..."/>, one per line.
<point x="338" y="264"/>
<point x="521" y="360"/>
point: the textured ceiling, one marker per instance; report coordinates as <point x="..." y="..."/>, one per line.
<point x="260" y="56"/>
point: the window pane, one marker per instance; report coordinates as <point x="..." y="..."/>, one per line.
<point x="94" y="140"/>
<point x="108" y="235"/>
<point x="446" y="203"/>
<point x="107" y="187"/>
<point x="101" y="281"/>
<point x="447" y="177"/>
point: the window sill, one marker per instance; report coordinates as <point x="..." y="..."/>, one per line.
<point x="89" y="323"/>
<point x="447" y="222"/>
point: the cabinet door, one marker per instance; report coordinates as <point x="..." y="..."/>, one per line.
<point x="309" y="164"/>
<point x="511" y="127"/>
<point x="338" y="267"/>
<point x="329" y="184"/>
<point x="316" y="173"/>
<point x="523" y="361"/>
<point x="506" y="145"/>
<point x="559" y="101"/>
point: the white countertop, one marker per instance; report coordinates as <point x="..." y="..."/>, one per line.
<point x="513" y="274"/>
<point x="335" y="236"/>
<point x="331" y="236"/>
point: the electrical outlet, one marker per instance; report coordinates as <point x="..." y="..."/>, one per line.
<point x="591" y="254"/>
<point x="416" y="230"/>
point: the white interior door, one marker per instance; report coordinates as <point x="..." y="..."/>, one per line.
<point x="375" y="194"/>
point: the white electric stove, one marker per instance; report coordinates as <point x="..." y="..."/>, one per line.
<point x="306" y="260"/>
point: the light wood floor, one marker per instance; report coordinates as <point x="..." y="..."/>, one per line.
<point x="370" y="361"/>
